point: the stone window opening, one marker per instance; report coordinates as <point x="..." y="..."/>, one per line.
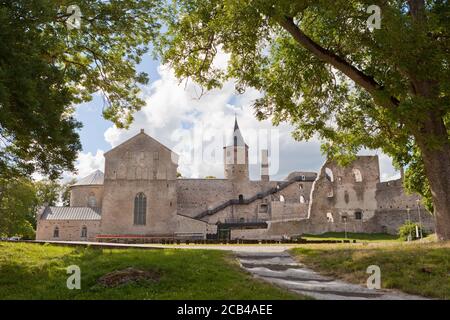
<point x="329" y="174"/>
<point x="140" y="209"/>
<point x="357" y="175"/>
<point x="302" y="199"/>
<point x="92" y="201"/>
<point x="241" y="198"/>
<point x="330" y="217"/>
<point x="56" y="232"/>
<point x="84" y="232"/>
<point x="358" y="215"/>
<point x="263" y="208"/>
<point x="282" y="198"/>
<point x="241" y="220"/>
<point x="330" y="193"/>
<point x="301" y="186"/>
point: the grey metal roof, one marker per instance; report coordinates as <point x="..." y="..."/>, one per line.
<point x="94" y="178"/>
<point x="71" y="213"/>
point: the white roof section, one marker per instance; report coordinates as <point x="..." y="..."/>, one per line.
<point x="236" y="139"/>
<point x="71" y="213"/>
<point x="95" y="178"/>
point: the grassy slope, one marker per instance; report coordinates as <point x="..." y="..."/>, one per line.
<point x="32" y="271"/>
<point x="422" y="269"/>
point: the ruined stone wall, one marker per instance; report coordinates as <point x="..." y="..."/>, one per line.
<point x="80" y="196"/>
<point x="344" y="197"/>
<point x="69" y="230"/>
<point x="393" y="204"/>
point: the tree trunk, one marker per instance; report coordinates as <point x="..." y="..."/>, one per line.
<point x="437" y="168"/>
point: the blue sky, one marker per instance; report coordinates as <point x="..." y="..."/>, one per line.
<point x="90" y="114"/>
<point x="174" y="115"/>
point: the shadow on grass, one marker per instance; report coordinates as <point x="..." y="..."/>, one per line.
<point x="33" y="271"/>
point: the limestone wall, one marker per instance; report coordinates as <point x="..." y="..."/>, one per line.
<point x="80" y="196"/>
<point x="140" y="158"/>
<point x="393" y="204"/>
<point x="198" y="195"/>
<point x="188" y="227"/>
<point x="69" y="230"/>
<point x="118" y="207"/>
<point x="140" y="165"/>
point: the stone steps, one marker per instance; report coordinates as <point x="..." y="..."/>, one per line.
<point x="280" y="269"/>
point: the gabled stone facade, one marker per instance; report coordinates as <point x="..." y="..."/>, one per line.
<point x="139" y="198"/>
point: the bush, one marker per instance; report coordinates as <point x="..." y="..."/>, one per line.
<point x="409" y="228"/>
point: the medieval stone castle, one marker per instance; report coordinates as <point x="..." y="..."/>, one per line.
<point x="139" y="198"/>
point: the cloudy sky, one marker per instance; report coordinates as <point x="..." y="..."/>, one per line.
<point x="196" y="128"/>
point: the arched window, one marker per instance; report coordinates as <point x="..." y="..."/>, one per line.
<point x="241" y="198"/>
<point x="281" y="198"/>
<point x="241" y="220"/>
<point x="92" y="202"/>
<point x="357" y="175"/>
<point x="329" y="174"/>
<point x="302" y="199"/>
<point x="140" y="209"/>
<point x="56" y="232"/>
<point x="84" y="232"/>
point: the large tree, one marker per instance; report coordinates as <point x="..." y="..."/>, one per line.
<point x="319" y="66"/>
<point x="54" y="55"/>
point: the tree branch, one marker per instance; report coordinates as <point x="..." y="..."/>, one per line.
<point x="365" y="81"/>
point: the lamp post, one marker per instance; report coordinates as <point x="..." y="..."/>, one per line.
<point x="420" y="218"/>
<point x="345" y="227"/>
<point x="409" y="222"/>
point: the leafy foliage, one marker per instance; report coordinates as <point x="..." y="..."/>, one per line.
<point x="18" y="202"/>
<point x="47" y="68"/>
<point x="320" y="67"/>
<point x="408" y="229"/>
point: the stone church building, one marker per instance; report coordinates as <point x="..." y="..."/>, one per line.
<point x="139" y="198"/>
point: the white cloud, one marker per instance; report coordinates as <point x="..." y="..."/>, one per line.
<point x="86" y="164"/>
<point x="176" y="116"/>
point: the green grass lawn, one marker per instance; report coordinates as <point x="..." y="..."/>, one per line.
<point x="33" y="271"/>
<point x="361" y="237"/>
<point x="416" y="268"/>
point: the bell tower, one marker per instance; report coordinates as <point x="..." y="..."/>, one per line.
<point x="236" y="156"/>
